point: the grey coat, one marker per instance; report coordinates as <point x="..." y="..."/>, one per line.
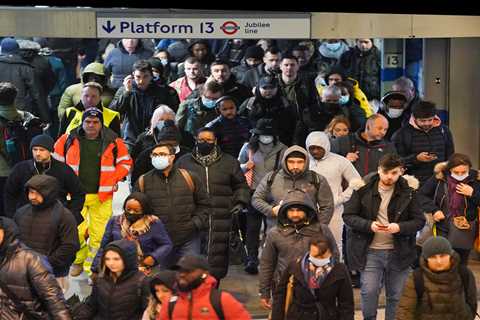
<point x="287" y="242"/>
<point x="265" y="198"/>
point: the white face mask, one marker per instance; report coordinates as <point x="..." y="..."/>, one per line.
<point x="160" y="162"/>
<point x="265" y="139"/>
<point x="177" y="149"/>
<point x="318" y="262"/>
<point x="394" y="113"/>
<point x="164" y="61"/>
<point x="459" y="178"/>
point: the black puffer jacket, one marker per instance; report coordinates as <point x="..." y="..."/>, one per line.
<point x="236" y="90"/>
<point x="123" y="299"/>
<point x="21" y="74"/>
<point x="23" y="271"/>
<point x="183" y="212"/>
<point x="226" y="187"/>
<point x="362" y="209"/>
<point x="49" y="228"/>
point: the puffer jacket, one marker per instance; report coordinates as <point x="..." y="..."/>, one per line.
<point x="434" y="197"/>
<point x="443" y="296"/>
<point x="362" y="209"/>
<point x="49" y="228"/>
<point x="25" y="273"/>
<point x="226" y="187"/>
<point x="287" y="242"/>
<point x="119" y="62"/>
<point x="137" y="107"/>
<point x="364" y="67"/>
<point x="123" y="299"/>
<point x="232" y="134"/>
<point x="236" y="90"/>
<point x="369" y="153"/>
<point x="183" y="212"/>
<point x="265" y="198"/>
<point x="71" y="96"/>
<point x="333" y="301"/>
<point x="196" y="305"/>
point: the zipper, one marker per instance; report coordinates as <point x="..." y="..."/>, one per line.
<point x="168" y="191"/>
<point x="206" y="175"/>
<point x="209" y="215"/>
<point x="190" y="306"/>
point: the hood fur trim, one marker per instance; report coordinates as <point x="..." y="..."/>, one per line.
<point x="438" y="170"/>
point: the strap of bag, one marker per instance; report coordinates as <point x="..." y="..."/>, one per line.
<point x="215" y="301"/>
<point x="19" y="305"/>
<point x="289" y="295"/>
<point x="188" y="178"/>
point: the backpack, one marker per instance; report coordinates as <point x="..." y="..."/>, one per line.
<point x="17" y="135"/>
<point x="313" y="179"/>
<point x="420" y="284"/>
<point x="215" y="301"/>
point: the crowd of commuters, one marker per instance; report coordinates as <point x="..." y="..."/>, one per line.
<point x="217" y="139"/>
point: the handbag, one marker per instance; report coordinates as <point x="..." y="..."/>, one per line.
<point x="249" y="173"/>
<point x="461" y="233"/>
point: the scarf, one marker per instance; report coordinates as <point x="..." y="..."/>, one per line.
<point x="456" y="201"/>
<point x="133" y="231"/>
<point x="316" y="278"/>
<point x="207" y="160"/>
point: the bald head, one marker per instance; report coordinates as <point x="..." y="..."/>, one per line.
<point x="376" y="127"/>
<point x="331" y="93"/>
<point x="406" y="86"/>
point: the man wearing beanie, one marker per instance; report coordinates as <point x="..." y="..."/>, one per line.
<point x="294" y="173"/>
<point x="80" y="149"/>
<point x="252" y="58"/>
<point x="441" y="288"/>
<point x="424" y="141"/>
<point x="21" y="73"/>
<point x="71" y="192"/>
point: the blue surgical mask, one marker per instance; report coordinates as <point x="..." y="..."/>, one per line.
<point x="344" y="99"/>
<point x="160" y="125"/>
<point x="333" y="46"/>
<point x="318" y="262"/>
<point x="209" y="103"/>
<point x="164" y="61"/>
<point x="459" y="178"/>
<point x="160" y="162"/>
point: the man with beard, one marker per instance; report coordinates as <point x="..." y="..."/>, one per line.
<point x="269" y="67"/>
<point x="269" y="103"/>
<point x="198" y="297"/>
<point x="227" y="190"/>
<point x="193" y="79"/>
<point x="424" y="141"/>
<point x="221" y="74"/>
<point x="383" y="217"/>
<point x="71" y="193"/>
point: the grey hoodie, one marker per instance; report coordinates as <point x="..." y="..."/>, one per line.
<point x="286" y="241"/>
<point x="264" y="199"/>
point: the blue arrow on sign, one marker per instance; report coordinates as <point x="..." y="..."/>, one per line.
<point x="108" y="28"/>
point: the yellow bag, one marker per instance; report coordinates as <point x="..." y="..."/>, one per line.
<point x="289" y="295"/>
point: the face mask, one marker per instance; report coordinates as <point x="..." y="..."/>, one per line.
<point x="177" y="149"/>
<point x="208" y="103"/>
<point x="192" y="285"/>
<point x="205" y="148"/>
<point x="333" y="46"/>
<point x="164" y="61"/>
<point x="132" y="218"/>
<point x="265" y="139"/>
<point x="160" y="163"/>
<point x="344" y="99"/>
<point x="160" y="125"/>
<point x="318" y="262"/>
<point x="459" y="178"/>
<point x="394" y="113"/>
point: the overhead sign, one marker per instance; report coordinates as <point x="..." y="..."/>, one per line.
<point x="215" y="28"/>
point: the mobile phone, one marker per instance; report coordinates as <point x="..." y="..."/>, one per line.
<point x="382" y="226"/>
<point x="433" y="154"/>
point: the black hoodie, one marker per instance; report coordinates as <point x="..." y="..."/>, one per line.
<point x="49" y="228"/>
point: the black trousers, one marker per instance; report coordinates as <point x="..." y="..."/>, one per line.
<point x="3" y="180"/>
<point x="253" y="225"/>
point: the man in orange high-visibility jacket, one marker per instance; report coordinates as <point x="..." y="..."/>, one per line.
<point x="100" y="158"/>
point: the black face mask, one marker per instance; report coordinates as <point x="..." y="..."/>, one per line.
<point x="332" y="107"/>
<point x="205" y="148"/>
<point x="192" y="285"/>
<point x="132" y="218"/>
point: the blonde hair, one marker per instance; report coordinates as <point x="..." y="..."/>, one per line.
<point x="336" y="120"/>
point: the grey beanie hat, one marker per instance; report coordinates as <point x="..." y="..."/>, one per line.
<point x="436" y="245"/>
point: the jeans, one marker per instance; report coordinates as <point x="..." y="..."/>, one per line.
<point x="380" y="270"/>
<point x="191" y="247"/>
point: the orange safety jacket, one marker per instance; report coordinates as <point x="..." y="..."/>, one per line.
<point x="115" y="162"/>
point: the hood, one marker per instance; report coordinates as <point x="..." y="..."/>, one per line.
<point x="47" y="186"/>
<point x="296" y="197"/>
<point x="288" y="152"/>
<point x="440" y="171"/>
<point x="405" y="180"/>
<point x="123" y="50"/>
<point x="94" y="67"/>
<point x="333" y="54"/>
<point x="446" y="277"/>
<point x="319" y="139"/>
<point x="437" y="122"/>
<point x="11" y="233"/>
<point x="128" y="251"/>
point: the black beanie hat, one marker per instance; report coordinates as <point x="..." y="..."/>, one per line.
<point x="169" y="132"/>
<point x="254" y="52"/>
<point x="92" y="112"/>
<point x="296" y="154"/>
<point x="156" y="63"/>
<point x="436" y="245"/>
<point x="423" y="110"/>
<point x="42" y="140"/>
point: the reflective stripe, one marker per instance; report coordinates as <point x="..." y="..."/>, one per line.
<point x="74" y="167"/>
<point x="105" y="189"/>
<point x="107" y="168"/>
<point x="58" y="157"/>
<point x="126" y="166"/>
<point x="127" y="157"/>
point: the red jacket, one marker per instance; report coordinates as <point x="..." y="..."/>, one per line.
<point x="201" y="309"/>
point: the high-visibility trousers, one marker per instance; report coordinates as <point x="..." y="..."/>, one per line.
<point x="96" y="215"/>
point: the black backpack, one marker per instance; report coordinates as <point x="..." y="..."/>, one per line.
<point x="17" y="135"/>
<point x="215" y="301"/>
